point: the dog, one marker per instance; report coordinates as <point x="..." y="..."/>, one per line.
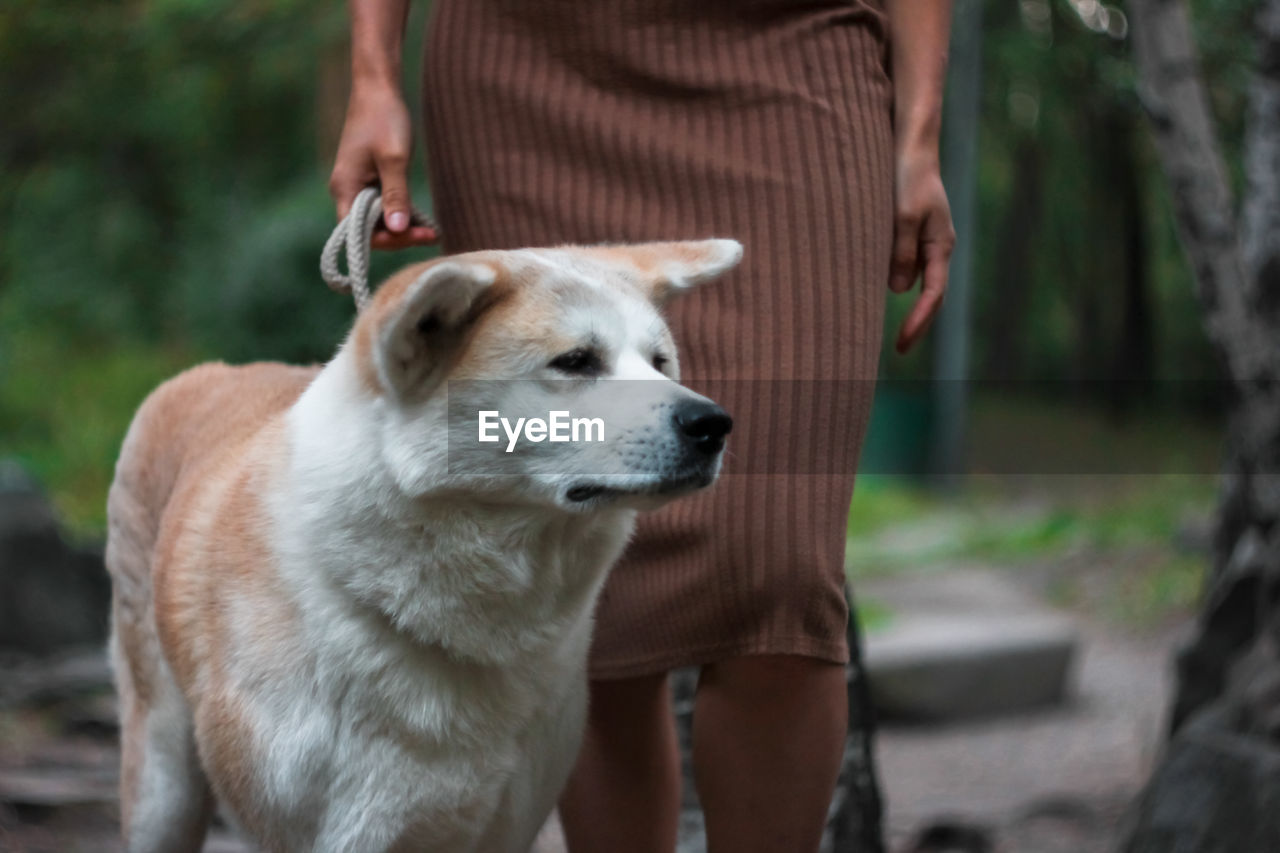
<point x="347" y="615"/>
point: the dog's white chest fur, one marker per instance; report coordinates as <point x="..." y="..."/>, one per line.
<point x="439" y="679"/>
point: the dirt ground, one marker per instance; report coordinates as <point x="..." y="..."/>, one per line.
<point x="1057" y="780"/>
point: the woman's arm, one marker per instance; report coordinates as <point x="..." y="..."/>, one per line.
<point x="377" y="137"/>
<point x="923" y="234"/>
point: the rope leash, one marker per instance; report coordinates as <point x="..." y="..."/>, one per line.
<point x="353" y="235"/>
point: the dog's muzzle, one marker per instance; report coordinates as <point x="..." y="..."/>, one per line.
<point x="685" y="457"/>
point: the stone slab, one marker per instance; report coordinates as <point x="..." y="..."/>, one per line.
<point x="965" y="644"/>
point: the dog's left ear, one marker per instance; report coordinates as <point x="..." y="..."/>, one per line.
<point x="674" y="267"/>
<point x="417" y="342"/>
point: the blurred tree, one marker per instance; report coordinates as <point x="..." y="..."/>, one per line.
<point x="139" y="125"/>
<point x="1217" y="785"/>
<point x="1076" y="236"/>
<point x="162" y="200"/>
<point x="158" y="151"/>
<point x="952" y="332"/>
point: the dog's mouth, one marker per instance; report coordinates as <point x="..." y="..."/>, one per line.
<point x="668" y="487"/>
<point x="585" y="492"/>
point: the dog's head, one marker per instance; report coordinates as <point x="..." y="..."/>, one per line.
<point x="542" y="375"/>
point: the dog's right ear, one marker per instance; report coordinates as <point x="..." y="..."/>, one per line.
<point x="671" y="268"/>
<point x="422" y="332"/>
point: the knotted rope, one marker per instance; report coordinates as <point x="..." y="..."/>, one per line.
<point x="354" y="234"/>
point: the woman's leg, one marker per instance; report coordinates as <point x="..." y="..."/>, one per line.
<point x="768" y="736"/>
<point x="624" y="794"/>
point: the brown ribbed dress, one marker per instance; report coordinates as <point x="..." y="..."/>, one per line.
<point x="589" y="121"/>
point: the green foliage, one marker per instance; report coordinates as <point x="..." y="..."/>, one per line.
<point x="65" y="404"/>
<point x="262" y="299"/>
<point x="137" y="121"/>
<point x="993" y="520"/>
<point x="1109" y="544"/>
<point x="1162" y="475"/>
<point x="162" y="202"/>
<point x="872" y="615"/>
<point x="1072" y="208"/>
<point x="249" y="287"/>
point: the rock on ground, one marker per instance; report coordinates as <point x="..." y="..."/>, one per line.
<point x="52" y="594"/>
<point x="1060" y="779"/>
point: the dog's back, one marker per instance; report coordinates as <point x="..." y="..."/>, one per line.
<point x="185" y="426"/>
<point x="188" y="428"/>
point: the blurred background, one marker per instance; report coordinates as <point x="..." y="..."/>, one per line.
<point x="1050" y="454"/>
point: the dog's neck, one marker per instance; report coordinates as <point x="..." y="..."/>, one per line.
<point x="485" y="582"/>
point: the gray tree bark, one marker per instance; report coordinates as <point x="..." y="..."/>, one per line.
<point x="1217" y="786"/>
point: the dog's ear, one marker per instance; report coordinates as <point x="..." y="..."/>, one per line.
<point x="423" y="332"/>
<point x="672" y="268"/>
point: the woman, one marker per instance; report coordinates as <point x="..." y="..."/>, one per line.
<point x="807" y="130"/>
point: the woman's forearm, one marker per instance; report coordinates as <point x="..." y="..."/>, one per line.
<point x="919" y="33"/>
<point x="377" y="37"/>
<point x="922" y="231"/>
<point x="377" y="136"/>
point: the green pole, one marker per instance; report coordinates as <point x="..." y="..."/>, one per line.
<point x="959" y="174"/>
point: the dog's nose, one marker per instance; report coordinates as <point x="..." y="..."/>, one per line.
<point x="704" y="423"/>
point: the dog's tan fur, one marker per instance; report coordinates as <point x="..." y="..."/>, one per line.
<point x="198" y="434"/>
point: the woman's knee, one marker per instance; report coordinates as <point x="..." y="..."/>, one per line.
<point x="637" y="697"/>
<point x="773" y="676"/>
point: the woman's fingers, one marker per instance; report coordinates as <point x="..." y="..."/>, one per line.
<point x="935" y="258"/>
<point x="343" y="190"/>
<point x="414" y="235"/>
<point x="396" y="230"/>
<point x="903" y="266"/>
<point x="393" y="167"/>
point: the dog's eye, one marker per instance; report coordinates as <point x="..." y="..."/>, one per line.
<point x="579" y="362"/>
<point x="659" y="361"/>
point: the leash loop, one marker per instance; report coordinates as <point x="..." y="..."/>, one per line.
<point x="352" y="236"/>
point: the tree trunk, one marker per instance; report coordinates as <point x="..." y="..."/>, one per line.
<point x="1218" y="784"/>
<point x="1134" y="352"/>
<point x="1012" y="278"/>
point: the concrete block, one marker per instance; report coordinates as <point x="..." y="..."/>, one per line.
<point x="966" y="646"/>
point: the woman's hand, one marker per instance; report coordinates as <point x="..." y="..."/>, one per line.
<point x="377" y="140"/>
<point x="923" y="237"/>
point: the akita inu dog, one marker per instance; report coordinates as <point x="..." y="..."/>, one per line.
<point x="342" y="615"/>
